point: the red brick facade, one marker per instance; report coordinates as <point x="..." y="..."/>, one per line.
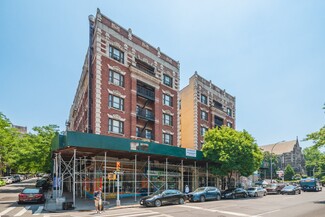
<point x="127" y="87"/>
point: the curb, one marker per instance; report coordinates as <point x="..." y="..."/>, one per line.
<point x="89" y="210"/>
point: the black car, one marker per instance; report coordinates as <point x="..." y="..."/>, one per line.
<point x="163" y="197"/>
<point x="291" y="189"/>
<point x="205" y="193"/>
<point x="43" y="183"/>
<point x="234" y="193"/>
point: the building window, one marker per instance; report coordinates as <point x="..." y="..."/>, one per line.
<point x="115" y="126"/>
<point x="229" y="124"/>
<point x="116" y="102"/>
<point x="116" y="78"/>
<point x="204" y="99"/>
<point x="204" y="115"/>
<point x="167" y="138"/>
<point x="116" y="54"/>
<point x="218" y="122"/>
<point x="167" y="100"/>
<point x="229" y="112"/>
<point x="145" y="67"/>
<point x="203" y="130"/>
<point x="167" y="120"/>
<point x="217" y="104"/>
<point x="168" y="80"/>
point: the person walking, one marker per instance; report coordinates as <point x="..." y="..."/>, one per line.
<point x="98" y="200"/>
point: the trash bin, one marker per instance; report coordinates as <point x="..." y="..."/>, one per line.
<point x="67" y="205"/>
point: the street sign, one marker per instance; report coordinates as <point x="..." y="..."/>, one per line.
<point x="111" y="176"/>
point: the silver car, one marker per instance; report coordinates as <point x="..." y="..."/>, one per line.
<point x="256" y="192"/>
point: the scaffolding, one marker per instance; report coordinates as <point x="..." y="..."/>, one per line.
<point x="81" y="175"/>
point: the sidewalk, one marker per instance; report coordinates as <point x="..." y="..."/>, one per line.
<point x="85" y="204"/>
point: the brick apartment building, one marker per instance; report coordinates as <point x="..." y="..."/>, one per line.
<point x="204" y="106"/>
<point x="127" y="88"/>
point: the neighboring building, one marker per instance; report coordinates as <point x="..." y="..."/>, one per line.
<point x="204" y="106"/>
<point x="21" y="129"/>
<point x="132" y="90"/>
<point x="288" y="153"/>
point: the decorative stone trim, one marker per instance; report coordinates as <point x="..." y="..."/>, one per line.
<point x="167" y="92"/>
<point x="204" y="109"/>
<point x="167" y="131"/>
<point x="168" y="112"/>
<point x="117" y="69"/>
<point x="116" y="93"/>
<point x="116" y="117"/>
<point x="204" y="125"/>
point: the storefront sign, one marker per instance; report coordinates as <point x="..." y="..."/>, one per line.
<point x="190" y="152"/>
<point x="137" y="146"/>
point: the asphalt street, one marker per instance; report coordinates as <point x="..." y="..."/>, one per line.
<point x="306" y="204"/>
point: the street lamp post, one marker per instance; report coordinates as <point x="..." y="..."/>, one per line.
<point x="271" y="158"/>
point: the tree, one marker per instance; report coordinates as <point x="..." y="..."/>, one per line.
<point x="318" y="137"/>
<point x="232" y="151"/>
<point x="289" y="172"/>
<point x="267" y="158"/>
<point x="315" y="160"/>
<point x="25" y="153"/>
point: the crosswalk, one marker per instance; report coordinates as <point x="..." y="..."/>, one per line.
<point x="21" y="210"/>
<point x="39" y="211"/>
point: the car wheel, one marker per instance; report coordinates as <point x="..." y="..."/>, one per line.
<point x="158" y="203"/>
<point x="299" y="192"/>
<point x="255" y="195"/>
<point x="295" y="192"/>
<point x="264" y="193"/>
<point x="233" y="196"/>
<point x="245" y="195"/>
<point x="202" y="198"/>
<point x="218" y="197"/>
<point x="181" y="201"/>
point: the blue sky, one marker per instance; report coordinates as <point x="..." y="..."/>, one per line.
<point x="269" y="54"/>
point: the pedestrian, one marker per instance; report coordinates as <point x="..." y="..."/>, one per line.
<point x="187" y="189"/>
<point x="98" y="200"/>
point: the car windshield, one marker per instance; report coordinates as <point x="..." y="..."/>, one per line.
<point x="199" y="189"/>
<point x="251" y="189"/>
<point x="157" y="193"/>
<point x="271" y="186"/>
<point x="31" y="191"/>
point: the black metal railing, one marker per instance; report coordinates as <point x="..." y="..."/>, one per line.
<point x="146" y="114"/>
<point x="149" y="94"/>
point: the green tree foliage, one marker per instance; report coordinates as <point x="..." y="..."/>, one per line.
<point x="232" y="151"/>
<point x="289" y="172"/>
<point x="315" y="162"/>
<point x="29" y="152"/>
<point x="275" y="162"/>
<point x="318" y="137"/>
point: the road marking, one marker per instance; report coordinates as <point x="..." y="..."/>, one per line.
<point x="266" y="213"/>
<point x="7" y="210"/>
<point x="134" y="214"/>
<point x="39" y="210"/>
<point x="215" y="210"/>
<point x="21" y="212"/>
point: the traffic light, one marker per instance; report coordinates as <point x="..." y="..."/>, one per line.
<point x="118" y="165"/>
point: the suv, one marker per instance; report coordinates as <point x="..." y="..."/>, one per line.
<point x="274" y="188"/>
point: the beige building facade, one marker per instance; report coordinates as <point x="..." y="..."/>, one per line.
<point x="204" y="106"/>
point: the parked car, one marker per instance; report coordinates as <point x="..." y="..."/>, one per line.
<point x="17" y="178"/>
<point x="274" y="188"/>
<point x="205" y="193"/>
<point x="256" y="192"/>
<point x="234" y="193"/>
<point x="163" y="197"/>
<point x="7" y="179"/>
<point x="31" y="195"/>
<point x="43" y="183"/>
<point x="291" y="189"/>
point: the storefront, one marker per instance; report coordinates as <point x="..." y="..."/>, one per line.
<point x="86" y="162"/>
